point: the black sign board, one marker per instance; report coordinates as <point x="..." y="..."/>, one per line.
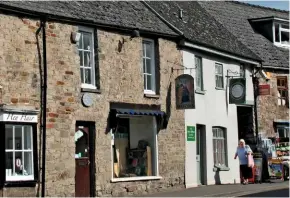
<point x="237" y="91"/>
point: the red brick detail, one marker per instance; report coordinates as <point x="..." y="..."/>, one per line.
<point x="53" y="115"/>
<point x="53" y="35"/>
<point x="61" y="62"/>
<point x="59" y="83"/>
<point x="71" y="99"/>
<point x="14" y="100"/>
<point x="49" y="125"/>
<point x="69" y="72"/>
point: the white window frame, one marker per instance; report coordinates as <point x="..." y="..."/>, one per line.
<point x="18" y="177"/>
<point x="285" y="129"/>
<point x="280" y="29"/>
<point x="153" y="65"/>
<point x="157" y="177"/>
<point x="220" y="75"/>
<point x="224" y="139"/>
<point x="92" y="61"/>
<point x="199" y="73"/>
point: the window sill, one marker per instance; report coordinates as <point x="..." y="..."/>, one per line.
<point x="220" y="168"/>
<point x="200" y="92"/>
<point x="20" y="183"/>
<point x="91" y="90"/>
<point x="151" y="96"/>
<point x="219" y="88"/>
<point x="125" y="179"/>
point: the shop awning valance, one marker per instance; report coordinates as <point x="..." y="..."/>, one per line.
<point x="139" y="112"/>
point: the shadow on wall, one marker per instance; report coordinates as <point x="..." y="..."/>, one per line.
<point x="217" y="178"/>
<point x="168" y="105"/>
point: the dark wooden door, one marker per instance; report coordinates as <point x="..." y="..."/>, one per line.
<point x="82" y="160"/>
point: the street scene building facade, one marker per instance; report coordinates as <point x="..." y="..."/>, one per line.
<point x="135" y="100"/>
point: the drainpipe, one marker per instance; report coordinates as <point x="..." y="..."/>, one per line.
<point x="43" y="106"/>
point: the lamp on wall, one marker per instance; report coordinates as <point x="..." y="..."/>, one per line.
<point x="75" y="37"/>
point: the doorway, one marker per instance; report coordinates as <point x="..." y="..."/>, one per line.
<point x="245" y="124"/>
<point x="201" y="154"/>
<point x="84" y="159"/>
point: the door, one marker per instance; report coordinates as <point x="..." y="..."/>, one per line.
<point x="198" y="143"/>
<point x="82" y="177"/>
<point x="201" y="154"/>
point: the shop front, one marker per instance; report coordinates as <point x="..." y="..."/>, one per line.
<point x="18" y="149"/>
<point x="134" y="143"/>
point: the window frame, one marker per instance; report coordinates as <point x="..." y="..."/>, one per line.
<point x="82" y="29"/>
<point x="29" y="182"/>
<point x="219" y="75"/>
<point x="282" y="89"/>
<point x="153" y="66"/>
<point x="225" y="152"/>
<point x="280" y="29"/>
<point x="199" y="72"/>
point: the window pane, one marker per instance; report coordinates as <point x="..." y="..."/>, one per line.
<point x="18" y="137"/>
<point x="82" y="75"/>
<point x="148" y="66"/>
<point x="148" y="50"/>
<point x="18" y="163"/>
<point x="81" y="58"/>
<point x="144" y="65"/>
<point x="87" y="59"/>
<point x="149" y="82"/>
<point x="87" y="41"/>
<point x="9" y="163"/>
<point x="284" y="37"/>
<point x="144" y="49"/>
<point x="27" y="137"/>
<point x="277" y="36"/>
<point x="80" y="45"/>
<point x="8" y="137"/>
<point x="88" y="77"/>
<point x="145" y="82"/>
<point x="28" y="165"/>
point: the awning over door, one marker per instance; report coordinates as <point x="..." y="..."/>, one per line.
<point x="139" y="112"/>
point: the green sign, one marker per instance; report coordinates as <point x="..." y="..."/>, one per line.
<point x="190" y="133"/>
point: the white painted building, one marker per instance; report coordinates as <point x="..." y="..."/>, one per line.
<point x="215" y="120"/>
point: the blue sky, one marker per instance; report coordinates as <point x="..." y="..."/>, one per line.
<point x="283" y="5"/>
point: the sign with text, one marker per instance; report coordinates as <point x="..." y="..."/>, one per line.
<point x="190" y="133"/>
<point x="184" y="92"/>
<point x="18" y="117"/>
<point x="264" y="90"/>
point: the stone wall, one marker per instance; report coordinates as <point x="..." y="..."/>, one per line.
<point x="268" y="108"/>
<point x="120" y="80"/>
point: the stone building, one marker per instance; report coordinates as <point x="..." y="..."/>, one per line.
<point x="111" y="129"/>
<point x="265" y="31"/>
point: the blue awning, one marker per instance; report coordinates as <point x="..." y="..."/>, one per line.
<point x="139" y="112"/>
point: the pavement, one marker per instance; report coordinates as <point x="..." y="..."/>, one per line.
<point x="277" y="188"/>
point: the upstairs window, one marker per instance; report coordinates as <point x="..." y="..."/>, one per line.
<point x="149" y="66"/>
<point x="219" y="78"/>
<point x="199" y="73"/>
<point x="282" y="88"/>
<point x="281" y="34"/>
<point x="86" y="53"/>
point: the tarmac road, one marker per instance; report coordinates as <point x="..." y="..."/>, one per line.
<point x="273" y="193"/>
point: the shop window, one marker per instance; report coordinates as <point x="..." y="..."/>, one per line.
<point x="283" y="98"/>
<point x="19" y="153"/>
<point x="219" y="146"/>
<point x="135" y="147"/>
<point x="283" y="132"/>
<point x="219" y="77"/>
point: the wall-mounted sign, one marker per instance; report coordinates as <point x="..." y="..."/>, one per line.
<point x="190" y="133"/>
<point x="87" y="99"/>
<point x="184" y="91"/>
<point x="237" y="91"/>
<point x="264" y="90"/>
<point x="17" y="117"/>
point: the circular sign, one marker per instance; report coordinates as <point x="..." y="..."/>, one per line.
<point x="238" y="90"/>
<point x="87" y="99"/>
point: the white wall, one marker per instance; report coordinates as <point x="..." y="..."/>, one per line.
<point x="211" y="110"/>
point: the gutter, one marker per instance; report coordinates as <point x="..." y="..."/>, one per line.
<point x="163" y="19"/>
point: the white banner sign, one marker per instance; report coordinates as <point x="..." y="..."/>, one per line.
<point x="18" y="117"/>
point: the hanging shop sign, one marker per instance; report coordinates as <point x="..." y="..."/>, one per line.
<point x="190" y="133"/>
<point x="237" y="91"/>
<point x="17" y="117"/>
<point x="264" y="90"/>
<point x="184" y="91"/>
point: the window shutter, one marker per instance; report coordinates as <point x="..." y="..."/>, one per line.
<point x="157" y="67"/>
<point x="97" y="69"/>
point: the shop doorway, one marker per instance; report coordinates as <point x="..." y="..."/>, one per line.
<point x="245" y="123"/>
<point x="201" y="154"/>
<point x="84" y="159"/>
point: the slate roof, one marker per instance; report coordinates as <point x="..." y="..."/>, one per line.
<point x="124" y="14"/>
<point x="234" y="17"/>
<point x="200" y="27"/>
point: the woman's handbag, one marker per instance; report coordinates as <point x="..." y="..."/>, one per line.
<point x="251" y="163"/>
